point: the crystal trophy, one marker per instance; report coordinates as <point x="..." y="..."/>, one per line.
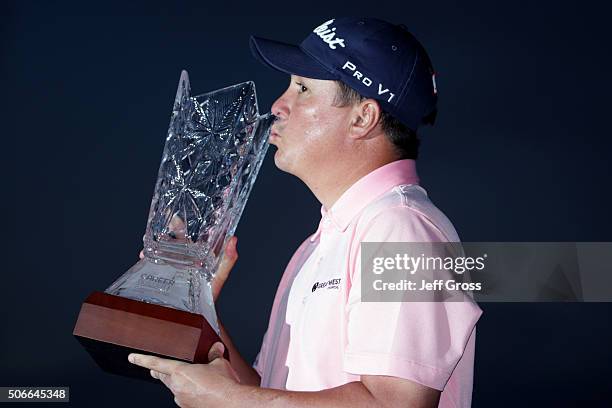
<point x="163" y="304"/>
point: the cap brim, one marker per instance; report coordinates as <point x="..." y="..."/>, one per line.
<point x="288" y="58"/>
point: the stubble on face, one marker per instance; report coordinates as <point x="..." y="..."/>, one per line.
<point x="309" y="132"/>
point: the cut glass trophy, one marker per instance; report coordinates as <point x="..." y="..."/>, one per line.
<point x="163" y="304"/>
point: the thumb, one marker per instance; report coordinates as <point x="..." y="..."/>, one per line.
<point x="216" y="351"/>
<point x="230" y="255"/>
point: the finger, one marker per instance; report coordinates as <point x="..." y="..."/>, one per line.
<point x="230" y="253"/>
<point x="161" y="365"/>
<point x="166" y="380"/>
<point x="216" y="351"/>
<point x="231" y="250"/>
<point x="159" y="376"/>
<point x="141" y="254"/>
<point x="177" y="228"/>
<point x="230" y="256"/>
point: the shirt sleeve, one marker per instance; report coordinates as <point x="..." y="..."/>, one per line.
<point x="260" y="358"/>
<point x="417" y="341"/>
<point x="256" y="364"/>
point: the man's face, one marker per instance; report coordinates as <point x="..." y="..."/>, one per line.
<point x="309" y="131"/>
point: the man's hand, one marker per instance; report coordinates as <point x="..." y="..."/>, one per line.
<point x="194" y="385"/>
<point x="230" y="256"/>
<point x="216" y="385"/>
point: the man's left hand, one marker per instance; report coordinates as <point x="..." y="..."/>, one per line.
<point x="193" y="385"/>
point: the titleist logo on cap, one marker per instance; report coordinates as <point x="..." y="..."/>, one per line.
<point x="327" y="34"/>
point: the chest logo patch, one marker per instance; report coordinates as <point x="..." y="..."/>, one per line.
<point x="330" y="284"/>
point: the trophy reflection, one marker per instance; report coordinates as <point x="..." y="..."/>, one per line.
<point x="163" y="305"/>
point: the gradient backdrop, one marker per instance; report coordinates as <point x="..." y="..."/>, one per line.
<point x="519" y="153"/>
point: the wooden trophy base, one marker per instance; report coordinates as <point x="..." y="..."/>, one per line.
<point x="111" y="327"/>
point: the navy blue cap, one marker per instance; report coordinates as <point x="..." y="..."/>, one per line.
<point x="379" y="60"/>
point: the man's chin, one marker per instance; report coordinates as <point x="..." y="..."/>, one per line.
<point x="280" y="162"/>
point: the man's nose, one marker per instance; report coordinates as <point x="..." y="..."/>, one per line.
<point x="280" y="107"/>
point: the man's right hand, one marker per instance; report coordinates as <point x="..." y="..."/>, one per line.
<point x="230" y="256"/>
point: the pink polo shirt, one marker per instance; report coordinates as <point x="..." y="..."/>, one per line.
<point x="321" y="335"/>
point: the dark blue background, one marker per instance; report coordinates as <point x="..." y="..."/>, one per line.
<point x="519" y="153"/>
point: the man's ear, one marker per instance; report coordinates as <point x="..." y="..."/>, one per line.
<point x="365" y="117"/>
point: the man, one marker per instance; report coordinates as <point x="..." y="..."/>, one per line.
<point x="346" y="126"/>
